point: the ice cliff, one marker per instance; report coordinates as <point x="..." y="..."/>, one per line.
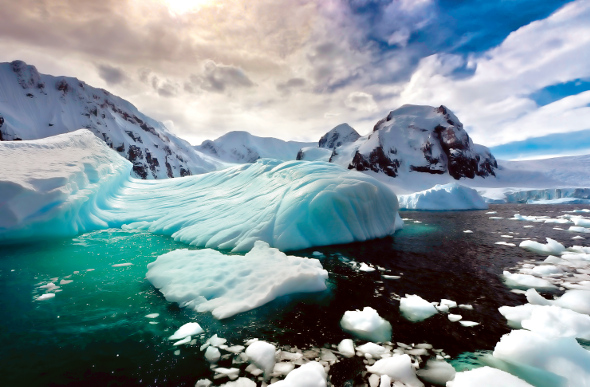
<point x="74" y="183"/>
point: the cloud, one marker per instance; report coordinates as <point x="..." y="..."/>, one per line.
<point x="494" y="102"/>
<point x="293" y="83"/>
<point x="218" y="78"/>
<point x="111" y="75"/>
<point x="360" y="101"/>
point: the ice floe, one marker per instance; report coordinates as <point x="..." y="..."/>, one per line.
<point x="415" y="308"/>
<point x="207" y="280"/>
<point x="366" y="324"/>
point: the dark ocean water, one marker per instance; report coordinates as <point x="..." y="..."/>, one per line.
<point x="94" y="332"/>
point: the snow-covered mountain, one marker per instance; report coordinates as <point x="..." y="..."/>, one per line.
<point x="34" y="105"/>
<point x="338" y="136"/>
<point x="417" y="138"/>
<point x="243" y="147"/>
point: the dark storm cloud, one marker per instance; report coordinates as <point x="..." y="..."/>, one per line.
<point x="218" y="78"/>
<point x="111" y="75"/>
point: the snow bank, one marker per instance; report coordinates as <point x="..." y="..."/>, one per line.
<point x="366" y="324"/>
<point x="445" y="197"/>
<point x="80" y="184"/>
<point x="207" y="280"/>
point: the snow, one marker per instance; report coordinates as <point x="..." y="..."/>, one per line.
<point x="397" y="367"/>
<point x="243" y="147"/>
<point x="207" y="280"/>
<point x="314" y="154"/>
<point x="311" y="374"/>
<point x="414" y="308"/>
<point x="486" y="377"/>
<point x="78" y="184"/>
<point x="262" y="355"/>
<point x="337" y="136"/>
<point x="188" y="329"/>
<point x="36" y="106"/>
<point x="447" y="197"/>
<point x="366" y="324"/>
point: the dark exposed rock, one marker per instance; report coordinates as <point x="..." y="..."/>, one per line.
<point x="338" y="136"/>
<point x="299" y="155"/>
<point x="377" y="162"/>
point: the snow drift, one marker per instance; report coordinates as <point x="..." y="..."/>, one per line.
<point x="73" y="183"/>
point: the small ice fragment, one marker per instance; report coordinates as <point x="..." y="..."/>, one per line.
<point x="346" y="348"/>
<point x="183" y="341"/>
<point x="235" y="349"/>
<point x="436" y="372"/>
<point x="366" y="268"/>
<point x="496" y="217"/>
<point x="310" y="374"/>
<point x="578" y="237"/>
<point x="204" y="383"/>
<point x="154" y="322"/>
<point x="468" y="232"/>
<point x="89" y="269"/>
<point x="152" y="315"/>
<point x="212" y="355"/>
<point x="506" y="236"/>
<point x="45" y="296"/>
<point x="253" y="370"/>
<point x="491" y="212"/>
<point x="177" y="352"/>
<point x="414" y="308"/>
<point x="366" y="324"/>
<point x="466" y="306"/>
<point x="189" y="329"/>
<point x="231" y="373"/>
<point x="454" y="317"/>
<point x="317" y="254"/>
<point x="392" y="277"/>
<point x="375" y="350"/>
<point x="551" y="247"/>
<point x="505" y="244"/>
<point x="65" y="282"/>
<point x="467" y="323"/>
<point x="449" y="303"/>
<point x="397" y="367"/>
<point x="262" y="354"/>
<point x="282" y="368"/>
<point x="122" y="264"/>
<point x="486" y="376"/>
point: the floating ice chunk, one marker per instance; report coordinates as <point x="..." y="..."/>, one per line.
<point x="551" y="247"/>
<point x="505" y="244"/>
<point x="215" y="341"/>
<point x="449" y="303"/>
<point x="436" y="372"/>
<point x="262" y="354"/>
<point x="376" y="351"/>
<point x="467" y="323"/>
<point x="554" y="321"/>
<point x="152" y="315"/>
<point x="496" y="217"/>
<point x="311" y="374"/>
<point x="542" y="270"/>
<point x="212" y="355"/>
<point x="397" y="367"/>
<point x="466" y="306"/>
<point x="50" y="286"/>
<point x="384" y="381"/>
<point x="391" y="277"/>
<point x="581" y="222"/>
<point x="346" y="348"/>
<point x="45" y="296"/>
<point x="122" y="264"/>
<point x="415" y="308"/>
<point x="186" y="340"/>
<point x="240" y="382"/>
<point x="533" y="355"/>
<point x="231" y="373"/>
<point x="579" y="229"/>
<point x="282" y="368"/>
<point x="491" y="212"/>
<point x="468" y="231"/>
<point x="366" y="324"/>
<point x="65" y="282"/>
<point x="486" y="377"/>
<point x="525" y="281"/>
<point x="578" y="237"/>
<point x="204" y="383"/>
<point x="207" y="280"/>
<point x="365" y="267"/>
<point x="445" y="197"/>
<point x="576" y="300"/>
<point x="454" y="317"/>
<point x="374" y="381"/>
<point x="318" y="254"/>
<point x="188" y="329"/>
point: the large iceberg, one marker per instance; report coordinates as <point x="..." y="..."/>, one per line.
<point x="74" y="183"/>
<point x="444" y="197"/>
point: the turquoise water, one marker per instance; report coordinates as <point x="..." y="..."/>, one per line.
<point x="94" y="332"/>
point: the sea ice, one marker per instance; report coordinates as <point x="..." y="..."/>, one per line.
<point x="576" y="300"/>
<point x="468" y="324"/>
<point x="486" y="377"/>
<point x="188" y="329"/>
<point x="212" y="355"/>
<point x="207" y="280"/>
<point x="366" y="324"/>
<point x="346" y="348"/>
<point x="376" y="351"/>
<point x="526" y="281"/>
<point x="454" y="317"/>
<point x="436" y="372"/>
<point x="415" y="308"/>
<point x="311" y="374"/>
<point x="445" y="197"/>
<point x="45" y="296"/>
<point x="551" y="247"/>
<point x="581" y="222"/>
<point x="262" y="355"/>
<point x="240" y="382"/>
<point x="397" y="367"/>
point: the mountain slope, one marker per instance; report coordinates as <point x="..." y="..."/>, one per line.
<point x="34" y="105"/>
<point x="243" y="147"/>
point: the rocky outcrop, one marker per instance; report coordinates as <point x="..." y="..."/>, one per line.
<point x="421" y="139"/>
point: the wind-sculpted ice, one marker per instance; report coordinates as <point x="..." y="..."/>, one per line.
<point x="209" y="281"/>
<point x="445" y="197"/>
<point x="73" y="183"/>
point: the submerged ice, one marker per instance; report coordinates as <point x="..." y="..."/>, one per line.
<point x="77" y="184"/>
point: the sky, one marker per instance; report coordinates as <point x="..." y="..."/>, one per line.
<point x="515" y="72"/>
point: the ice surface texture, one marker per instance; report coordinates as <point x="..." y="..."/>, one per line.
<point x="80" y="184"/>
<point x="207" y="280"/>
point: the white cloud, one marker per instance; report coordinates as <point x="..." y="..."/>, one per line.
<point x="360" y="101"/>
<point x="494" y="102"/>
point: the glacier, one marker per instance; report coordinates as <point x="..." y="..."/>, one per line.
<point x="74" y="183"/>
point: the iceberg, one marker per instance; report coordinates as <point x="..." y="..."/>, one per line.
<point x="209" y="281"/>
<point x="444" y="197"/>
<point x="74" y="183"/>
<point x="366" y="324"/>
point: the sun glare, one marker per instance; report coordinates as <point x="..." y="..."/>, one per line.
<point x="180" y="7"/>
